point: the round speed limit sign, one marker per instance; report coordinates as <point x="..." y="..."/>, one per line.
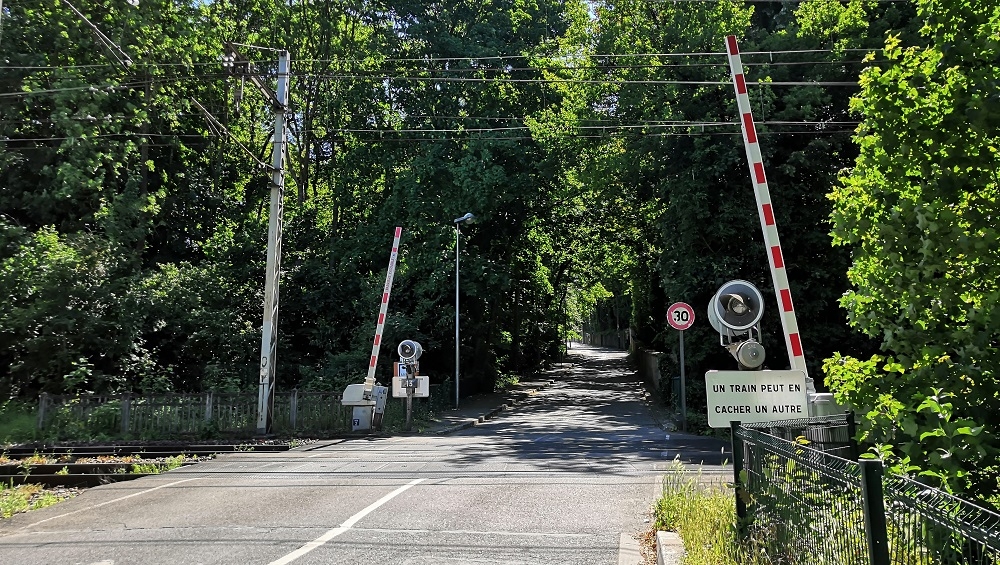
<point x="680" y="316"/>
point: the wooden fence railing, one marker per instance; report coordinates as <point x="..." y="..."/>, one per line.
<point x="173" y="414"/>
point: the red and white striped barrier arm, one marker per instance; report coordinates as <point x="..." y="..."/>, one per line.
<point x="784" y="296"/>
<point x="370" y="380"/>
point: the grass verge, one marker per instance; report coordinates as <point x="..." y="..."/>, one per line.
<point x="705" y="517"/>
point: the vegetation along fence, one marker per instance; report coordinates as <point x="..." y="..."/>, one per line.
<point x="804" y="498"/>
<point x="204" y="414"/>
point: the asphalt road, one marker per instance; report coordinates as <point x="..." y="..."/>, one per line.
<point x="558" y="479"/>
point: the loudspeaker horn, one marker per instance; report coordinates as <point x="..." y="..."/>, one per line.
<point x="736" y="307"/>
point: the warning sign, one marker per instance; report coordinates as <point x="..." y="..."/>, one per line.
<point x="755" y="396"/>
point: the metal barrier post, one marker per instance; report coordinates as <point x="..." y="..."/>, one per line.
<point x="874" y="506"/>
<point x="293" y="408"/>
<point x="738" y="487"/>
<point x="126" y="412"/>
<point x="208" y="406"/>
<point x="852" y="431"/>
<point x="43" y="404"/>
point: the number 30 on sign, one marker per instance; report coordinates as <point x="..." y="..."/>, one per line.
<point x="680" y="316"/>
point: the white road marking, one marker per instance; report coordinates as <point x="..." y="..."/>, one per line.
<point x="105" y="503"/>
<point x="479" y="533"/>
<point x="347" y="525"/>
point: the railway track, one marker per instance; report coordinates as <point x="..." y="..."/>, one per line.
<point x="93" y="465"/>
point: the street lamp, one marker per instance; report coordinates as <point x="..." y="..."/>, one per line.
<point x="468" y="218"/>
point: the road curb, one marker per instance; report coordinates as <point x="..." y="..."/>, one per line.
<point x="669" y="548"/>
<point x="468" y="423"/>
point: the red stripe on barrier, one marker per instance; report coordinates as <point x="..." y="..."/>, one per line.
<point x="733" y="49"/>
<point x="758" y="171"/>
<point x="381" y="319"/>
<point x="399" y="231"/>
<point x="768" y="214"/>
<point x="748" y="126"/>
<point x="373" y="361"/>
<point x="741" y="84"/>
<point x="776" y="255"/>
<point x="786" y="300"/>
<point x="796" y="345"/>
<point x="378" y="339"/>
<point x="385" y="297"/>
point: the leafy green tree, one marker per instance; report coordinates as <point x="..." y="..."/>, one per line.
<point x="66" y="320"/>
<point x="919" y="208"/>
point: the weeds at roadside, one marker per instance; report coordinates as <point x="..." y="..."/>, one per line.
<point x="170" y="464"/>
<point x="22" y="498"/>
<point x="38" y="459"/>
<point x="705" y="517"/>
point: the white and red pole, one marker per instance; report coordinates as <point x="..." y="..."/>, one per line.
<point x="789" y="325"/>
<point x="380" y="325"/>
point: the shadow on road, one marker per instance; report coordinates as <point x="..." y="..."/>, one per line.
<point x="592" y="418"/>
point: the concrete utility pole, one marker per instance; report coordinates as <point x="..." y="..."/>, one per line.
<point x="269" y="332"/>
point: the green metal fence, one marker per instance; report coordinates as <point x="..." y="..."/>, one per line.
<point x="803" y="503"/>
<point x="926" y="526"/>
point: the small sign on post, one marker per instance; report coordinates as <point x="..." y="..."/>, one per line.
<point x="755" y="396"/>
<point x="680" y="316"/>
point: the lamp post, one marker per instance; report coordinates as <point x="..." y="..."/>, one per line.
<point x="468" y="218"/>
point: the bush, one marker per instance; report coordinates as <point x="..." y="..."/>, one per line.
<point x="17" y="422"/>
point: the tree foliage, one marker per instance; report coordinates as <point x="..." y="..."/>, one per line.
<point x="919" y="209"/>
<point x="597" y="144"/>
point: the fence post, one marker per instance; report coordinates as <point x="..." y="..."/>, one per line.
<point x="208" y="406"/>
<point x="293" y="408"/>
<point x="738" y="487"/>
<point x="874" y="506"/>
<point x="852" y="431"/>
<point x="126" y="412"/>
<point x="43" y="405"/>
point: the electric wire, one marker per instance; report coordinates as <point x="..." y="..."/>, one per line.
<point x="8" y="147"/>
<point x="578" y="81"/>
<point x="607" y="55"/>
<point x="390" y="79"/>
<point x="608" y="127"/>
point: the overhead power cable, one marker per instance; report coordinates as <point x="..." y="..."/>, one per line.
<point x="755" y="1"/>
<point x="96" y="135"/>
<point x="692" y="124"/>
<point x="219" y="129"/>
<point x="119" y="55"/>
<point x="603" y="55"/>
<point x="575" y="81"/>
<point x="552" y="68"/>
<point x="382" y="78"/>
<point x="11" y="143"/>
<point x="626" y="135"/>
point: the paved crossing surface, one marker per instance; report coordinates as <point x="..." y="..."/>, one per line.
<point x="557" y="479"/>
